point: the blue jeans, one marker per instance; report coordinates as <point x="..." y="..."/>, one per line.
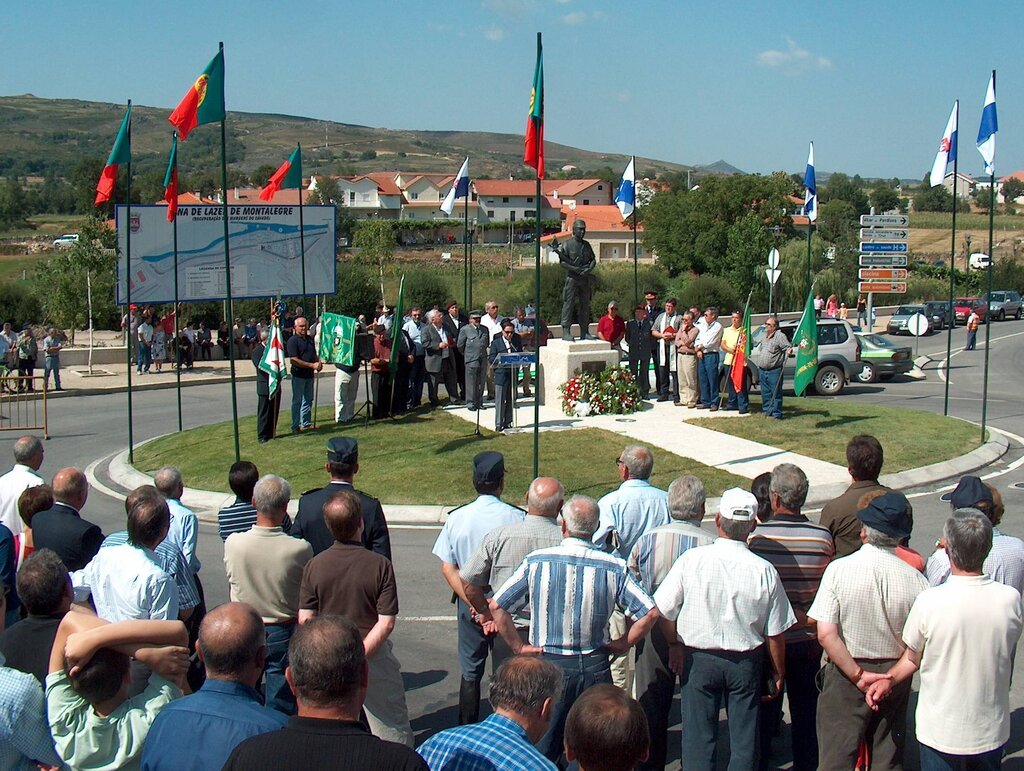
<point x="302" y="402"/>
<point x="145" y="357"/>
<point x="579" y="672"/>
<point x="933" y="760"/>
<point x="707" y="372"/>
<point x="972" y="339"/>
<point x="276" y="692"/>
<point x="771" y="392"/>
<point x="52" y="364"/>
<point x="736" y="398"/>
<point x="711" y="680"/>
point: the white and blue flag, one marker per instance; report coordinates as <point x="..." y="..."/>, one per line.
<point x="460" y="189"/>
<point x="811" y="188"/>
<point x="947" y="148"/>
<point x="625" y="196"/>
<point x="989" y="127"/>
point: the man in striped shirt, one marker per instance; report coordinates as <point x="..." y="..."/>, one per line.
<point x="651" y="559"/>
<point x="800" y="551"/>
<point x="572" y="590"/>
<point x="240" y="516"/>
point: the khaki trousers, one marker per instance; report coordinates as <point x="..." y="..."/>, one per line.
<point x="689" y="388"/>
<point x="621" y="666"/>
<point x="385" y="698"/>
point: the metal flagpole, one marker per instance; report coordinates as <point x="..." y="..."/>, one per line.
<point x="636" y="275"/>
<point x="465" y="253"/>
<point x="128" y="290"/>
<point x="988" y="296"/>
<point x="536" y="303"/>
<point x="227" y="271"/>
<point x="174" y="343"/>
<point x="302" y="227"/>
<point x="952" y="267"/>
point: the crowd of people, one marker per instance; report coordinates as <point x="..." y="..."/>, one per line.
<point x="593" y="613"/>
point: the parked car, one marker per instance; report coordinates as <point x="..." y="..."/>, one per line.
<point x="65" y="241"/>
<point x="838" y="355"/>
<point x="882" y="359"/>
<point x="939" y="313"/>
<point x="1003" y="304"/>
<point x="962" y="307"/>
<point x="901" y="317"/>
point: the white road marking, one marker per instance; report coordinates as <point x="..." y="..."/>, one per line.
<point x="428" y="618"/>
<point x="941" y="365"/>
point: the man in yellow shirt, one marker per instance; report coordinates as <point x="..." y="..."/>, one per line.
<point x="730" y="338"/>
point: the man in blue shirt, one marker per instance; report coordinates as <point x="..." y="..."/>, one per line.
<point x="200" y="731"/>
<point x="523" y="692"/>
<point x="459" y="540"/>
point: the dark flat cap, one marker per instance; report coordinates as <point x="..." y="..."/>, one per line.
<point x="476" y="314"/>
<point x="969" y="492"/>
<point x="888" y="514"/>
<point x="341" y="449"/>
<point x="488" y="467"/>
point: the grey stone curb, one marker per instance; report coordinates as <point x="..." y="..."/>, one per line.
<point x="206" y="503"/>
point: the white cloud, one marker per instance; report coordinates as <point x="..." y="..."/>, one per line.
<point x="494" y="34"/>
<point x="794" y="59"/>
<point x="510" y="7"/>
<point x="575" y="18"/>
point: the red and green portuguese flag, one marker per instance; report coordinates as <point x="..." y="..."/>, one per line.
<point x="289" y="176"/>
<point x="171" y="180"/>
<point x="534" y="154"/>
<point x="742" y="353"/>
<point x="204" y="102"/>
<point x="121" y="153"/>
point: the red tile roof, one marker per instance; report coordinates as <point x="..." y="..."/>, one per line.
<point x="385" y="182"/>
<point x="603" y="219"/>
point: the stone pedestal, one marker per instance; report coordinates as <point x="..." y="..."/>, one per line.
<point x="561" y="359"/>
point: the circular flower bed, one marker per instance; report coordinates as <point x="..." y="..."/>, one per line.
<point x="610" y="392"/>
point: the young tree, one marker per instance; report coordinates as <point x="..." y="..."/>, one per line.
<point x="262" y="175"/>
<point x="841" y="187"/>
<point x="14" y="206"/>
<point x="374" y="241"/>
<point x="884" y="199"/>
<point x="1013" y="189"/>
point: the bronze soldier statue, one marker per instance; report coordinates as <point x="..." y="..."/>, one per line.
<point x="577" y="259"/>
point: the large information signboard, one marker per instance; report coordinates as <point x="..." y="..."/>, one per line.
<point x="266" y="258"/>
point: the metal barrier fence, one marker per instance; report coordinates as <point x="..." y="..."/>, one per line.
<point x="23" y="403"/>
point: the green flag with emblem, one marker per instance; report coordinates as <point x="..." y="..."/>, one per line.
<point x="337" y="339"/>
<point x="805" y="340"/>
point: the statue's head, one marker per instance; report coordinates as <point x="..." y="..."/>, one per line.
<point x="579" y="228"/>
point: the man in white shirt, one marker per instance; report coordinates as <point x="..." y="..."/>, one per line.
<point x="961" y="636"/>
<point x="708" y="344"/>
<point x="28" y="458"/>
<point x="126" y="582"/>
<point x="727" y="607"/>
<point x="491" y="321"/>
<point x="145" y="334"/>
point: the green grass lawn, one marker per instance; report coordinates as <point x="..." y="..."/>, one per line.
<point x="15" y="267"/>
<point x="821" y="429"/>
<point x="423" y="458"/>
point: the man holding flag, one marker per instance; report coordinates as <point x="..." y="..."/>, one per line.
<point x="770" y="357"/>
<point x="269" y="358"/>
<point x="736" y="344"/>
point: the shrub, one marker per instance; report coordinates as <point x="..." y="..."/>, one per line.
<point x="706" y="290"/>
<point x="426" y="288"/>
<point x="20" y="305"/>
<point x="357" y="291"/>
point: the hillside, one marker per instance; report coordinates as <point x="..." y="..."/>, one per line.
<point x="41" y="135"/>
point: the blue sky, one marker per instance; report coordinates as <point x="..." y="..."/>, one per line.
<point x="871" y="83"/>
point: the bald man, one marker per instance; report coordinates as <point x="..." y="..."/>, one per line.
<point x="201" y="731"/>
<point x="61" y="527"/>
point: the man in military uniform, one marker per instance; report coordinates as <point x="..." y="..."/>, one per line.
<point x="474" y="343"/>
<point x="342" y="464"/>
<point x="458" y="542"/>
<point x="577" y="259"/>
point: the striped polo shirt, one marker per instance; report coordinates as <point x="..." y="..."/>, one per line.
<point x="657" y="551"/>
<point x="800" y="550"/>
<point x="572" y="590"/>
<point x="240" y="517"/>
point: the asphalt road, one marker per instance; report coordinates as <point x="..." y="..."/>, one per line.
<point x="89" y="427"/>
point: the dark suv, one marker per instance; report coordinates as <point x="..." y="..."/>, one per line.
<point x="838" y="355"/>
<point x="938" y="312"/>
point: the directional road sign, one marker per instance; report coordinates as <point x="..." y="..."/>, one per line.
<point x="883" y="246"/>
<point x="883" y="260"/>
<point x="885" y="220"/>
<point x="896" y="287"/>
<point x="882" y="274"/>
<point x="883" y="234"/>
<point x="772" y="274"/>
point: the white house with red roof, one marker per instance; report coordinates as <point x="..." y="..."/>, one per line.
<point x="609" y="234"/>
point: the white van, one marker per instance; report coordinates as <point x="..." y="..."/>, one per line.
<point x="979" y="261"/>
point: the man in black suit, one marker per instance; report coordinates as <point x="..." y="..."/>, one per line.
<point x="653" y="310"/>
<point x="342" y="465"/>
<point x="504" y="377"/>
<point x="641" y="345"/>
<point x="452" y="322"/>
<point x="439" y="358"/>
<point x="61" y="528"/>
<point x="266" y="408"/>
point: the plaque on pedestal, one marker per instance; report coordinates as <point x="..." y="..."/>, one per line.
<point x="561" y="359"/>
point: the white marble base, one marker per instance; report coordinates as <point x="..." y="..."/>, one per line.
<point x="560" y="360"/>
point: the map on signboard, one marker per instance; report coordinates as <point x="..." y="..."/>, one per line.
<point x="266" y="252"/>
